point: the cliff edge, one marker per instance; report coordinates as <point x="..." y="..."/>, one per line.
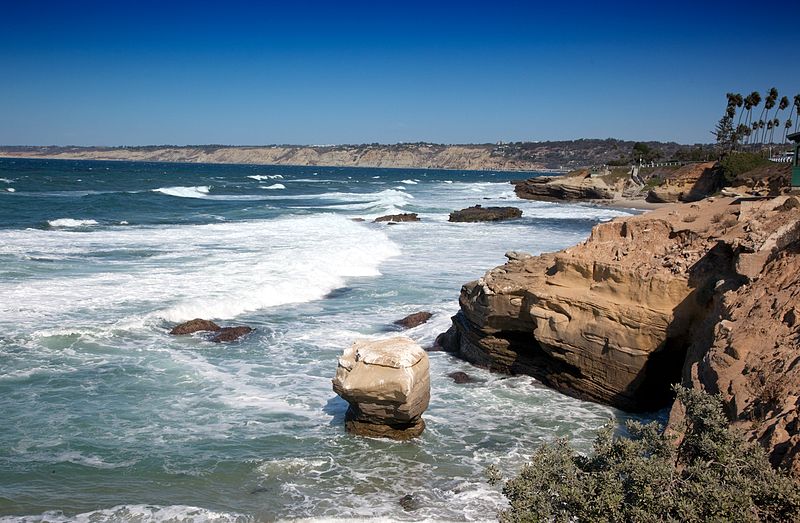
<point x="703" y="293"/>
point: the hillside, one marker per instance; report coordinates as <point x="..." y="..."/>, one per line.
<point x="517" y="156"/>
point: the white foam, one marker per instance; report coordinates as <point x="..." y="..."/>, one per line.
<point x="69" y="222"/>
<point x="5" y="180"/>
<point x="11" y="189"/>
<point x="218" y="270"/>
<point x="138" y="514"/>
<point x="409" y="182"/>
<point x="273" y="186"/>
<point x="262" y="177"/>
<point x="199" y="191"/>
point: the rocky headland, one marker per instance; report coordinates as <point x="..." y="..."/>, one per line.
<point x="704" y="293"/>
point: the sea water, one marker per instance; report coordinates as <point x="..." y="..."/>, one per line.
<point x="105" y="416"/>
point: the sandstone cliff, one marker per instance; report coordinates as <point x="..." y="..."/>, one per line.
<point x="517" y="156"/>
<point x="706" y="293"/>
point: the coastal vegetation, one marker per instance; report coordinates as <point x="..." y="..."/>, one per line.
<point x="706" y="471"/>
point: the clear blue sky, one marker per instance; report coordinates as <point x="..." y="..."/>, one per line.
<point x="132" y="73"/>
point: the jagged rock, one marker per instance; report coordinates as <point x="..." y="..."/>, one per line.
<point x="517" y="256"/>
<point x="394" y="218"/>
<point x="580" y="186"/>
<point x="195" y="325"/>
<point x="387" y="384"/>
<point x="607" y="320"/>
<point x="689" y="183"/>
<point x="485" y="214"/>
<point x="414" y="320"/>
<point x="460" y="377"/>
<point x="227" y="334"/>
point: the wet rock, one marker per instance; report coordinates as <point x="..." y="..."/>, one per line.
<point x="460" y="377"/>
<point x="387" y="384"/>
<point x="485" y="214"/>
<point x="414" y="320"/>
<point x="393" y="218"/>
<point x="195" y="325"/>
<point x="227" y="334"/>
<point x="357" y="220"/>
<point x="409" y="502"/>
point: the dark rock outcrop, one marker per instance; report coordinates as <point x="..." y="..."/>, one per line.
<point x="396" y="218"/>
<point x="195" y="325"/>
<point x="485" y="214"/>
<point x="228" y="334"/>
<point x="219" y="334"/>
<point x="460" y="377"/>
<point x="414" y="320"/>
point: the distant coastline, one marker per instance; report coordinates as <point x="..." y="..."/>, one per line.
<point x="555" y="156"/>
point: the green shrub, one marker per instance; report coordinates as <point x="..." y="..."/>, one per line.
<point x="712" y="475"/>
<point x="737" y="163"/>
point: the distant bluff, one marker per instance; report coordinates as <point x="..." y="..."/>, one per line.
<point x="515" y="156"/>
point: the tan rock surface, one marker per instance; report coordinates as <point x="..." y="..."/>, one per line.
<point x="387" y="384"/>
<point x="611" y="319"/>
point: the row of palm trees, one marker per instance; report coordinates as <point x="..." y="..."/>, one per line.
<point x="744" y="129"/>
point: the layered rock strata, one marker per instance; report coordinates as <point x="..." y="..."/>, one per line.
<point x="387" y="384"/>
<point x="577" y="186"/>
<point x="705" y="293"/>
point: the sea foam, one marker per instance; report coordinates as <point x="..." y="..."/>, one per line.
<point x="70" y="222"/>
<point x="218" y="270"/>
<point x="199" y="191"/>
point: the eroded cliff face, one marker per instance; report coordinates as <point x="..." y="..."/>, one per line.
<point x="750" y="352"/>
<point x="614" y="318"/>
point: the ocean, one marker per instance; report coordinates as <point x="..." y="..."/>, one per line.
<point x="106" y="417"/>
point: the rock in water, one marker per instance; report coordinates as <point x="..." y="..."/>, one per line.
<point x="387" y="384"/>
<point x="485" y="214"/>
<point x="226" y="334"/>
<point x="195" y="325"/>
<point x="404" y="217"/>
<point x="414" y="320"/>
<point x="460" y="377"/>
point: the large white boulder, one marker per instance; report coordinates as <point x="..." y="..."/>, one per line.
<point x="387" y="384"/>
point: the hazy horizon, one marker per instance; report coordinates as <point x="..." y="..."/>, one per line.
<point x="96" y="74"/>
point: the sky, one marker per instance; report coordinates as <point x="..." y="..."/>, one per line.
<point x="239" y="73"/>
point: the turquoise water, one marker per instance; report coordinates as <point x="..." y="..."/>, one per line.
<point x="107" y="417"/>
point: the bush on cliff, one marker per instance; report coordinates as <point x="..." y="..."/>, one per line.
<point x="737" y="163"/>
<point x="713" y="474"/>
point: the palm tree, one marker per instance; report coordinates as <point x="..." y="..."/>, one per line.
<point x="739" y="102"/>
<point x="769" y="103"/>
<point x="755" y="99"/>
<point x="786" y="127"/>
<point x="782" y="105"/>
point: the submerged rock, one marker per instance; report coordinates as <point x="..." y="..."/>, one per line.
<point x="226" y="334"/>
<point x="485" y="214"/>
<point x="414" y="320"/>
<point x="387" y="384"/>
<point x="393" y="218"/>
<point x="195" y="325"/>
<point x="409" y="502"/>
<point x="460" y="377"/>
<point x="220" y="334"/>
